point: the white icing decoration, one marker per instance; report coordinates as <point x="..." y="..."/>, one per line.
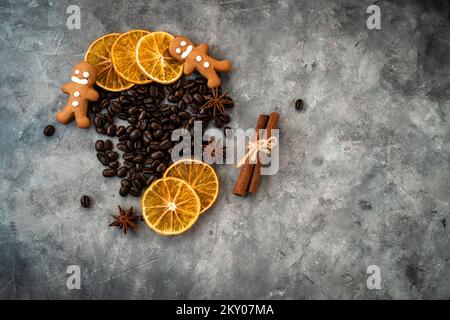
<point x="77" y="71"/>
<point x="198" y="58"/>
<point x="76" y="94"/>
<point x="183" y="43"/>
<point x="75" y="103"/>
<point x="86" y="74"/>
<point x="187" y="52"/>
<point x="177" y="50"/>
<point x="79" y="81"/>
<point x="206" y="64"/>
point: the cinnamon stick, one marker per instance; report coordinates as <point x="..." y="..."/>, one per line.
<point x="245" y="175"/>
<point x="256" y="174"/>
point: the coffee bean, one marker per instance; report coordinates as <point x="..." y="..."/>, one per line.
<point x="299" y="104"/>
<point x="138" y="158"/>
<point x="142" y="178"/>
<point x="154" y="91"/>
<point x="123" y="191"/>
<point x="130" y="145"/>
<point x="157" y="155"/>
<point x="100" y="130"/>
<point x="122" y="116"/>
<point x="108" y="145"/>
<point x="184" y="115"/>
<point x="125" y="182"/>
<point x="173" y="98"/>
<point x="155" y="126"/>
<point x="112" y="155"/>
<point x="128" y="164"/>
<point x="108" y="118"/>
<point x="225" y="118"/>
<point x="109" y="173"/>
<point x="158" y="134"/>
<point x="114" y="164"/>
<point x="111" y="130"/>
<point x="98" y="121"/>
<point x="99" y="146"/>
<point x="121" y="131"/>
<point x="133" y="110"/>
<point x="161" y="167"/>
<point x="135" y="134"/>
<point x="217" y="122"/>
<point x="200" y="80"/>
<point x="179" y="93"/>
<point x="165" y="144"/>
<point x="147" y="136"/>
<point x="85" y="201"/>
<point x="122" y="146"/>
<point x="138" y="167"/>
<point x="132" y="120"/>
<point x="135" y="192"/>
<point x="128" y="156"/>
<point x="102" y="158"/>
<point x="122" y="172"/>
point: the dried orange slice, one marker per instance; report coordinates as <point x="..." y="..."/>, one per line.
<point x="154" y="59"/>
<point x="170" y="206"/>
<point x="99" y="55"/>
<point x="200" y="176"/>
<point x="123" y="54"/>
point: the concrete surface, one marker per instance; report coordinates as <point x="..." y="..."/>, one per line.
<point x="364" y="177"/>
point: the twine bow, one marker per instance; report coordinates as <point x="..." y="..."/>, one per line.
<point x="263" y="145"/>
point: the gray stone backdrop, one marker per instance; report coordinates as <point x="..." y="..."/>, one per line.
<point x="364" y="175"/>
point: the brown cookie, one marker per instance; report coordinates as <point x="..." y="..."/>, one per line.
<point x="81" y="91"/>
<point x="183" y="49"/>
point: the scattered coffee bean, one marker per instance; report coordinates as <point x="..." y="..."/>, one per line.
<point x="49" y="130"/>
<point x="85" y="201"/>
<point x="109" y="173"/>
<point x="299" y="104"/>
<point x="122" y="172"/>
<point x="99" y="146"/>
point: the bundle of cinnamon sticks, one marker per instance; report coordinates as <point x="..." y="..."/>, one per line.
<point x="250" y="174"/>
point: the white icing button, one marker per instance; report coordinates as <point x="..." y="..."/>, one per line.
<point x="198" y="58"/>
<point x="177" y="50"/>
<point x="76" y="93"/>
<point x="77" y="71"/>
<point x="183" y="43"/>
<point x="206" y="64"/>
<point x="75" y="103"/>
<point x="86" y="74"/>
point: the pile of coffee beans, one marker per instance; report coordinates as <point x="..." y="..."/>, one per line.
<point x="143" y="119"/>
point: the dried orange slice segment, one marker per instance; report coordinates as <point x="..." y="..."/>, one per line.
<point x="200" y="176"/>
<point x="154" y="59"/>
<point x="123" y="54"/>
<point x="170" y="206"/>
<point x="99" y="55"/>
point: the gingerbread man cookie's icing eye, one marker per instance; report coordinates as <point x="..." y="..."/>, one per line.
<point x="178" y="50"/>
<point x="77" y="71"/>
<point x="86" y="74"/>
<point x="183" y="43"/>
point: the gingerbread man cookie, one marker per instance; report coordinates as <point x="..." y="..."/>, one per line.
<point x="183" y="49"/>
<point x="81" y="91"/>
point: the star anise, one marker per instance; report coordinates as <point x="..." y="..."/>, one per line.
<point x="217" y="101"/>
<point x="125" y="220"/>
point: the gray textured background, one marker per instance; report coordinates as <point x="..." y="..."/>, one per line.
<point x="364" y="175"/>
